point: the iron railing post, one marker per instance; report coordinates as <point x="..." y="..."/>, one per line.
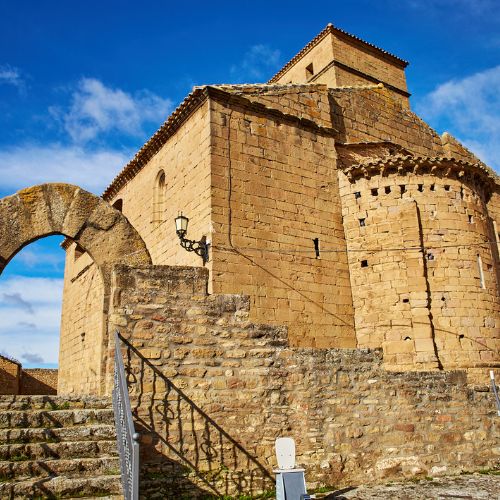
<point x="495" y="393"/>
<point x="127" y="437"/>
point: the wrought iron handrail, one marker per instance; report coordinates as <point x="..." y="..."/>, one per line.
<point x="162" y="409"/>
<point x="127" y="438"/>
<point x="495" y="392"/>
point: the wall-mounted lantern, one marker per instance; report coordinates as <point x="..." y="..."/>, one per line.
<point x="198" y="247"/>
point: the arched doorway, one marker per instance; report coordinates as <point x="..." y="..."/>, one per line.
<point x="94" y="228"/>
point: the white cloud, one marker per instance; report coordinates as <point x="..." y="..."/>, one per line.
<point x="11" y="76"/>
<point x="96" y="109"/>
<point x="24" y="333"/>
<point x="258" y="64"/>
<point x="32" y="358"/>
<point x="28" y="165"/>
<point x="33" y="258"/>
<point x="17" y="302"/>
<point x="470" y="109"/>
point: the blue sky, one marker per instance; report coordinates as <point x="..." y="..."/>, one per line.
<point x="84" y="84"/>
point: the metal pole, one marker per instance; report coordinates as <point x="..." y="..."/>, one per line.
<point x="495" y="392"/>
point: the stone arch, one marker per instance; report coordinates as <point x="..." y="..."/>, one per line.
<point x="97" y="227"/>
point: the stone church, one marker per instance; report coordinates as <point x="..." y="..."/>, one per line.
<point x="326" y="200"/>
<point x="338" y="282"/>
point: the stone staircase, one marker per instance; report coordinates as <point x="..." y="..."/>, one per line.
<point x="55" y="447"/>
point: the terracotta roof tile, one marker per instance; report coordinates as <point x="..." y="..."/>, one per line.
<point x="406" y="162"/>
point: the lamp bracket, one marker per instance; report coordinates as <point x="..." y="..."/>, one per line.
<point x="198" y="247"/>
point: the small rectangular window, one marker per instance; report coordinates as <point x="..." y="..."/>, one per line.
<point x="433" y="187"/>
<point x="374" y="192"/>
<point x="357" y="194"/>
<point x="316" y="247"/>
<point x="362" y="222"/>
<point x="387" y="189"/>
<point x="364" y="263"/>
<point x="309" y="71"/>
<point x="421" y="187"/>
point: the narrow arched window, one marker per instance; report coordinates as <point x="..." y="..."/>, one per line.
<point x="159" y="198"/>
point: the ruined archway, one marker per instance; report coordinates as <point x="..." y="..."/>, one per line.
<point x="98" y="228"/>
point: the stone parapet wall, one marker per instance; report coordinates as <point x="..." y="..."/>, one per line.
<point x="16" y="380"/>
<point x="352" y="420"/>
<point x="39" y="381"/>
<point x="10" y="375"/>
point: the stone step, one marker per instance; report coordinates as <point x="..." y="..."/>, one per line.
<point x="57" y="418"/>
<point x="53" y="402"/>
<point x="106" y="497"/>
<point x="78" y="467"/>
<point x="96" y="432"/>
<point x="62" y="487"/>
<point x="39" y="451"/>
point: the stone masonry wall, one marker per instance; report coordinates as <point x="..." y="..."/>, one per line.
<point x="274" y="190"/>
<point x="337" y="60"/>
<point x="441" y="307"/>
<point x="320" y="56"/>
<point x="82" y="325"/>
<point x="310" y="101"/>
<point x="10" y="374"/>
<point x="372" y="114"/>
<point x="367" y="61"/>
<point x="351" y="419"/>
<point x="39" y="381"/>
<point x="185" y="161"/>
<point x="15" y="380"/>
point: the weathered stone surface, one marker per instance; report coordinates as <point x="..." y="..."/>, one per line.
<point x="106" y="238"/>
<point x="405" y="221"/>
<point x="48" y="450"/>
<point x="352" y="420"/>
<point x="47" y="209"/>
<point x="468" y="487"/>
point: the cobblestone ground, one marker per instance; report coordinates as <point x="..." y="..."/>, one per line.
<point x="465" y="487"/>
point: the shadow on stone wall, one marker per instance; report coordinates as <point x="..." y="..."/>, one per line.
<point x="9" y="383"/>
<point x="41" y="381"/>
<point x="183" y="451"/>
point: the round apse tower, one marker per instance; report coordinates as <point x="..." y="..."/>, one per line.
<point x="423" y="258"/>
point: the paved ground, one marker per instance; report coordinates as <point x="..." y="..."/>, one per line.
<point x="473" y="486"/>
